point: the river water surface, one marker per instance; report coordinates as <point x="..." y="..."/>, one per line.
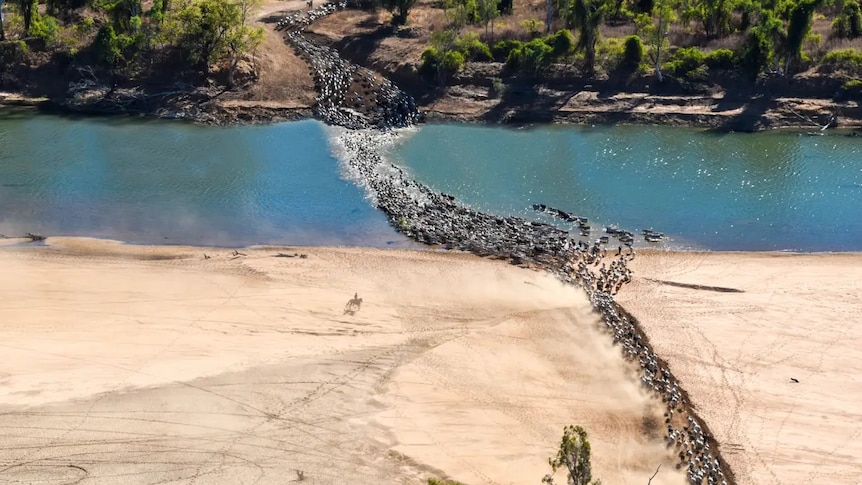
<point x="763" y="191"/>
<point x="176" y="183"/>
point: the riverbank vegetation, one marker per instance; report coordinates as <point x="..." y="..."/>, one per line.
<point x="80" y="45"/>
<point x="692" y="41"/>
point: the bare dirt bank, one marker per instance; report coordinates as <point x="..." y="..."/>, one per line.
<point x="155" y="364"/>
<point x="735" y="328"/>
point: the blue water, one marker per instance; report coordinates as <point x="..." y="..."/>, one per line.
<point x="177" y="183"/>
<point x="764" y="191"/>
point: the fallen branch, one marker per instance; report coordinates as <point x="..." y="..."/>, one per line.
<point x="654" y="474"/>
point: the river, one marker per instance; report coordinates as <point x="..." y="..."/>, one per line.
<point x="164" y="182"/>
<point x="175" y="183"/>
<point x="733" y="191"/>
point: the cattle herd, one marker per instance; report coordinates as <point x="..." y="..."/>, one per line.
<point x="369" y="106"/>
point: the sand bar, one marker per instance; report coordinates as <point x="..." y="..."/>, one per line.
<point x="736" y="327"/>
<point x="136" y="364"/>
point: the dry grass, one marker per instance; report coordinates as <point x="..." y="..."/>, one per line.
<point x="732" y="42"/>
<point x="618" y="31"/>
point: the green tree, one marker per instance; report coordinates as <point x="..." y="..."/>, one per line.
<point x="655" y="30"/>
<point x="574" y="454"/>
<point x="562" y="42"/>
<point x="797" y="29"/>
<point x="107" y="46"/>
<point x="487" y="10"/>
<point x="244" y="38"/>
<point x="715" y="16"/>
<point x="633" y="53"/>
<point x="204" y="29"/>
<point x="399" y="9"/>
<point x="755" y="54"/>
<point x="588" y="16"/>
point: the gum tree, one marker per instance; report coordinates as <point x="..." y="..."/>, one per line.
<point x="574" y="455"/>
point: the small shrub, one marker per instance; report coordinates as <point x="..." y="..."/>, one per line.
<point x="430" y="62"/>
<point x="685" y="61"/>
<point x="497" y="88"/>
<point x="13" y="52"/>
<point x="633" y="52"/>
<point x="535" y="56"/>
<point x="562" y="43"/>
<point x="453" y="61"/>
<point x="609" y="53"/>
<point x="435" y="63"/>
<point x="503" y="48"/>
<point x="85" y="27"/>
<point x="532" y="27"/>
<point x="849" y="60"/>
<point x="848" y="22"/>
<point x="473" y="49"/>
<point x="850" y="90"/>
<point x="721" y="59"/>
<point x="44" y="27"/>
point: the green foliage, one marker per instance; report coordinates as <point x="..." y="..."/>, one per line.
<point x="13" y="52"/>
<point x="534" y="56"/>
<point x="532" y="27"/>
<point x="755" y="54"/>
<point x="848" y="23"/>
<point x="633" y="52"/>
<point x="473" y="49"/>
<point x="497" y="88"/>
<point x="487" y="11"/>
<point x="685" y="61"/>
<point x="609" y="52"/>
<point x="204" y="27"/>
<point x="655" y="29"/>
<point x="588" y="16"/>
<point x="852" y="87"/>
<point x="798" y="28"/>
<point x="85" y="27"/>
<point x="848" y="60"/>
<point x="438" y="64"/>
<point x="574" y="455"/>
<point x="721" y="59"/>
<point x="44" y="27"/>
<point x="503" y="48"/>
<point x="453" y="61"/>
<point x="562" y="43"/>
<point x="107" y="46"/>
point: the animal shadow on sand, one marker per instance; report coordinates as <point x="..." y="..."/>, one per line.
<point x="353" y="305"/>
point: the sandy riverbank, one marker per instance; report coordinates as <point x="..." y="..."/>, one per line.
<point x="736" y="327"/>
<point x="151" y="364"/>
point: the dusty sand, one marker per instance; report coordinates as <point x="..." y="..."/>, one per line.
<point x="134" y="364"/>
<point x="796" y="316"/>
